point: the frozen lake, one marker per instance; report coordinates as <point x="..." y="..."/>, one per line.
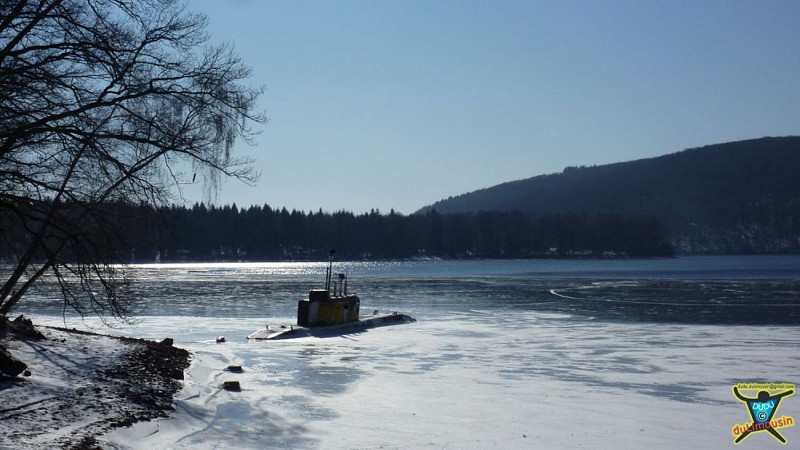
<point x="513" y="354"/>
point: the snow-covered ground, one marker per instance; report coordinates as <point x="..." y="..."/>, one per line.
<point x="467" y="380"/>
<point x="79" y="385"/>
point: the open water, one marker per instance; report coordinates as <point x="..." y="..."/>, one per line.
<point x="701" y="289"/>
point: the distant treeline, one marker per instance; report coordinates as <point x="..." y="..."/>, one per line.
<point x="737" y="197"/>
<point x="228" y="233"/>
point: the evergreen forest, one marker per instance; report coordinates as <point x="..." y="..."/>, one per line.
<point x="732" y="198"/>
<point x="261" y="233"/>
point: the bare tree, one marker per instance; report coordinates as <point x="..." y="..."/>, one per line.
<point x="103" y="102"/>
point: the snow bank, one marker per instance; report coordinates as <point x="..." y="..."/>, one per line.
<point x="81" y="385"/>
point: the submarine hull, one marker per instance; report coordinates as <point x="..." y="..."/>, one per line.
<point x="373" y="321"/>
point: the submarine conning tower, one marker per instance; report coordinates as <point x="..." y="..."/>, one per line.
<point x="328" y="307"/>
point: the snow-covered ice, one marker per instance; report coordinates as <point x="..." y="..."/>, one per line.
<point x="504" y="354"/>
<point x="536" y="380"/>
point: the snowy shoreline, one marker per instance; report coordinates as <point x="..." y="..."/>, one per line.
<point x="84" y="384"/>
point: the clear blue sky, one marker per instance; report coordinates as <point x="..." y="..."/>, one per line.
<point x="397" y="104"/>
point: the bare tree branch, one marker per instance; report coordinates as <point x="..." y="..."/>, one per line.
<point x="101" y="101"/>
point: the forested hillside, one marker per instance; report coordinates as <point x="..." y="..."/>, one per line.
<point x="257" y="233"/>
<point x="738" y="197"/>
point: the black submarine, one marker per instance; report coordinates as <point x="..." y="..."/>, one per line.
<point x="330" y="311"/>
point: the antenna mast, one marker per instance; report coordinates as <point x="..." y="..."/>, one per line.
<point x="330" y="269"/>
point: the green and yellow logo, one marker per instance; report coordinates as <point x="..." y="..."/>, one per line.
<point x="763" y="409"/>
